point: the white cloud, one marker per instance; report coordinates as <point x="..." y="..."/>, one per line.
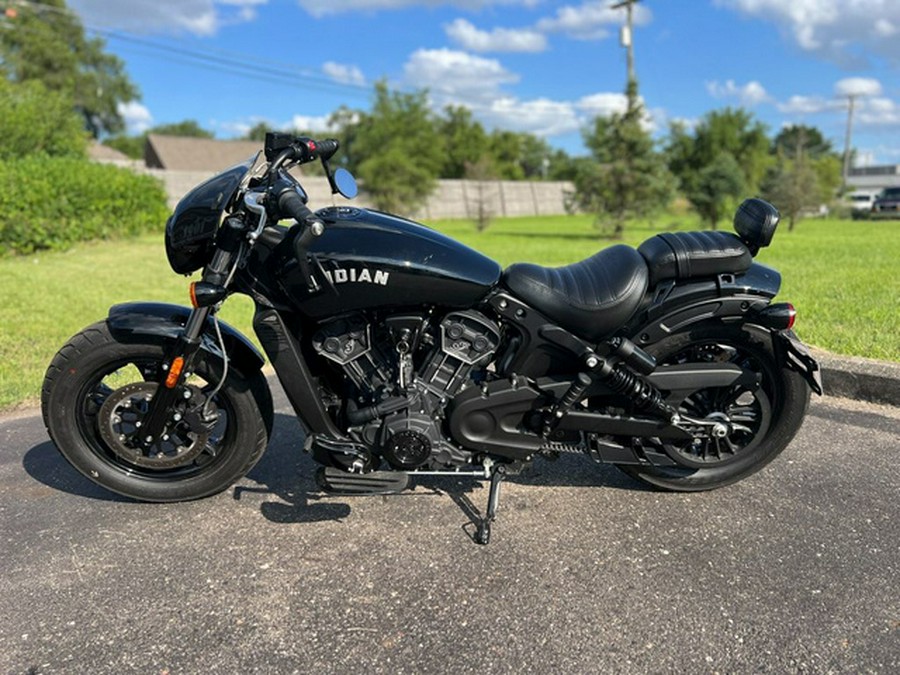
<point x="345" y="74"/>
<point x="591" y="20"/>
<point x="201" y="17"/>
<point x="320" y="8"/>
<point x="498" y="40"/>
<point x="541" y="116"/>
<point x="840" y="30"/>
<point x="805" y="105"/>
<point x="311" y="123"/>
<point x="750" y="94"/>
<point x="136" y="116"/>
<point x="879" y="112"/>
<point x="857" y="86"/>
<point x="603" y="105"/>
<point x="871" y="109"/>
<point x="315" y="124"/>
<point x="457" y="77"/>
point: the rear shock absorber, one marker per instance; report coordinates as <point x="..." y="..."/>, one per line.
<point x="646" y="397"/>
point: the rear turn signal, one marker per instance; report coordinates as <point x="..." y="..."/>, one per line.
<point x="779" y="317"/>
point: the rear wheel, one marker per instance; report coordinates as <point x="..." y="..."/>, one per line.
<point x="97" y="392"/>
<point x="754" y="424"/>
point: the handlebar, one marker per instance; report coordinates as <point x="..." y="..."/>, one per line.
<point x="290" y="205"/>
<point x="301" y="150"/>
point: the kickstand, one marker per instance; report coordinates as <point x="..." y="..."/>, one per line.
<point x="483" y="533"/>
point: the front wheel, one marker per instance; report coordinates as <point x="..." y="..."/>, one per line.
<point x="97" y="391"/>
<point x="757" y="423"/>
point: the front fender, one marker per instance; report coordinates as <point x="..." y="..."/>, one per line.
<point x="136" y="321"/>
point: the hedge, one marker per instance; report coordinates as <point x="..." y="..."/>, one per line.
<point x="51" y="203"/>
<point x="36" y="120"/>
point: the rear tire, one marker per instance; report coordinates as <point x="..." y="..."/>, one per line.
<point x="780" y="406"/>
<point x="93" y="366"/>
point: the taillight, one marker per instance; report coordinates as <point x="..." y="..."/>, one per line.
<point x="779" y="317"/>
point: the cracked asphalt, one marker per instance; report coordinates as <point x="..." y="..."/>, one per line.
<point x="793" y="570"/>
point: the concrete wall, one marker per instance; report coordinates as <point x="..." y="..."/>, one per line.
<point x="451" y="198"/>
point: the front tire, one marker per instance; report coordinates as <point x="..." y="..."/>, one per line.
<point x="94" y="379"/>
<point x="770" y="417"/>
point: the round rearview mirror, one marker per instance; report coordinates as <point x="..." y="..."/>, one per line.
<point x="345" y="183"/>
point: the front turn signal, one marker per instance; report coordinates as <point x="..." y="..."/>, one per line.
<point x="205" y="294"/>
<point x="174" y="372"/>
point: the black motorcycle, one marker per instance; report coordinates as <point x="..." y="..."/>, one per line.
<point x="405" y="353"/>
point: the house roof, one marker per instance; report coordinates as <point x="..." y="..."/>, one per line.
<point x="104" y="153"/>
<point x="181" y="153"/>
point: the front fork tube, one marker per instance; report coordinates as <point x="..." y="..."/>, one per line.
<point x="177" y="365"/>
<point x="180" y="359"/>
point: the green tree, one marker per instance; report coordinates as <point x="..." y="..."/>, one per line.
<point x="36" y="121"/>
<point x="696" y="157"/>
<point x="346" y="125"/>
<point x="465" y="140"/>
<point x="258" y="132"/>
<point x="801" y="138"/>
<point x="481" y="173"/>
<point x="806" y="175"/>
<point x="717" y="188"/>
<point x="534" y="156"/>
<point x="45" y="41"/>
<point x="730" y="130"/>
<point x="133" y="146"/>
<point x="628" y="178"/>
<point x="187" y="128"/>
<point x="791" y="186"/>
<point x="400" y="149"/>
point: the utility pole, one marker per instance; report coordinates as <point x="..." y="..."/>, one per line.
<point x="628" y="42"/>
<point x="851" y="98"/>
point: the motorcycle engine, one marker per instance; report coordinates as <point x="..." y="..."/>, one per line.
<point x="402" y="374"/>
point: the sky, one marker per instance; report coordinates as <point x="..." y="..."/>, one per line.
<point x="542" y="66"/>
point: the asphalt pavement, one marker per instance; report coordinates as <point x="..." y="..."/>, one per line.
<point x="792" y="570"/>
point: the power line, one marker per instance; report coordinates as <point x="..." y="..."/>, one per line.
<point x="237" y="64"/>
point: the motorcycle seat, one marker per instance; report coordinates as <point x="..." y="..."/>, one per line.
<point x="685" y="255"/>
<point x="591" y="298"/>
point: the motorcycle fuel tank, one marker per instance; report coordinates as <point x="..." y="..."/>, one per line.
<point x="372" y="260"/>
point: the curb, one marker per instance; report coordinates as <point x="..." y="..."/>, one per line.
<point x="859" y="378"/>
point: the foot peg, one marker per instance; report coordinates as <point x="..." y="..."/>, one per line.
<point x="336" y="481"/>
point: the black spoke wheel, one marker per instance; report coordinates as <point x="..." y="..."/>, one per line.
<point x="745" y="428"/>
<point x="97" y="393"/>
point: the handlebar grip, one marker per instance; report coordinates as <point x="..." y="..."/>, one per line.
<point x="325" y="149"/>
<point x="290" y="204"/>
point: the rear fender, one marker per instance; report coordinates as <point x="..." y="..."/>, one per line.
<point x="730" y="298"/>
<point x="793" y="354"/>
<point x="138" y="321"/>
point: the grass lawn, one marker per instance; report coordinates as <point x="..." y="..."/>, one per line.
<point x="843" y="276"/>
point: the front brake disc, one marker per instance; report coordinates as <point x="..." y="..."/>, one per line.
<point x="120" y="419"/>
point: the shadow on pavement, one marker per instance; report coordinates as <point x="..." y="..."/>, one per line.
<point x="289" y="474"/>
<point x="46" y="465"/>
